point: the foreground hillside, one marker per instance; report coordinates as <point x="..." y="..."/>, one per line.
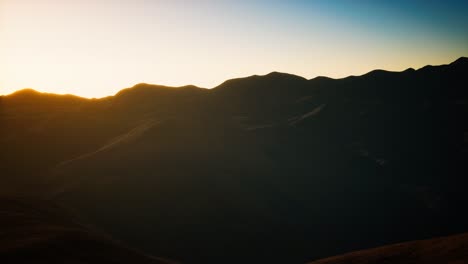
<point x="301" y="169"/>
<point x="447" y="250"/>
<point x="40" y="231"/>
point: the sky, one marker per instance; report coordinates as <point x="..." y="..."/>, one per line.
<point x="94" y="48"/>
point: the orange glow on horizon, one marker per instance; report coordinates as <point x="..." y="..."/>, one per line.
<point x="96" y="48"/>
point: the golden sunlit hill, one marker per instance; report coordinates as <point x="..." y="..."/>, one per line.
<point x="270" y="169"/>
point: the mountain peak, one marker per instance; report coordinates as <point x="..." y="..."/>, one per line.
<point x="409" y="70"/>
<point x="460" y="61"/>
<point x="271" y="79"/>
<point x="25" y="92"/>
<point x="157" y="86"/>
<point x="143" y="92"/>
<point x="283" y="75"/>
<point x="29" y="93"/>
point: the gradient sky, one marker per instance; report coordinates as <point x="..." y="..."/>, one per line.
<point x="94" y="48"/>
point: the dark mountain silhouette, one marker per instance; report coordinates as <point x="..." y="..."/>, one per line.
<point x="272" y="168"/>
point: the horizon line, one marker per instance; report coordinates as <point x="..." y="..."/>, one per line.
<point x="244" y="77"/>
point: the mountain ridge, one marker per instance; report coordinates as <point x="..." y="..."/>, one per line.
<point x="274" y="74"/>
<point x="302" y="169"/>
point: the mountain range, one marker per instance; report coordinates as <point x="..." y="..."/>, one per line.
<point x="272" y="168"/>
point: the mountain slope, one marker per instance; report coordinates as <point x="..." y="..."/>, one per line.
<point x="41" y="231"/>
<point x="448" y="250"/>
<point x="301" y="169"/>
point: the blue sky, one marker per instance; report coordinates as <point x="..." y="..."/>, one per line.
<point x="95" y="48"/>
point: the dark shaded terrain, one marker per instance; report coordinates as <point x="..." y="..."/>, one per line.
<point x="41" y="231"/>
<point x="272" y="168"/>
<point x="448" y="250"/>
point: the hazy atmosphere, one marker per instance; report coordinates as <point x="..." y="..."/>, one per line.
<point x="95" y="48"/>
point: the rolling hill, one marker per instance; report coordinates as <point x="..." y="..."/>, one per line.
<point x="273" y="168"/>
<point x="448" y="250"/>
<point x="42" y="231"/>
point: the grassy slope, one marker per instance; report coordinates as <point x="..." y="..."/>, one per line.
<point x="447" y="250"/>
<point x="40" y="231"/>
